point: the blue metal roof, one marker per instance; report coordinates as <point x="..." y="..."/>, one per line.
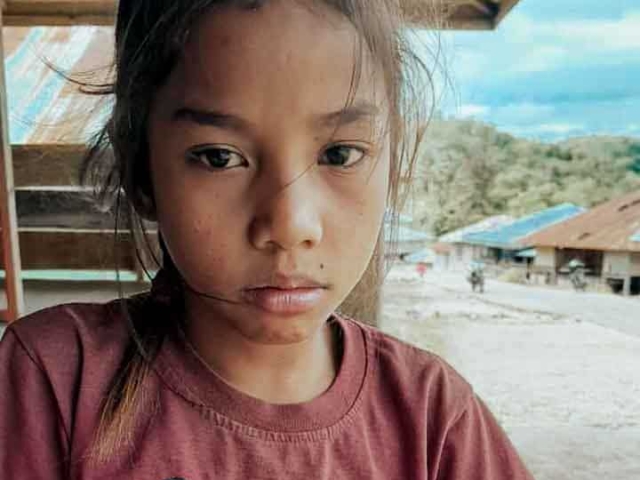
<point x="636" y="237"/>
<point x="507" y="236"/>
<point x="426" y="255"/>
<point x="404" y="234"/>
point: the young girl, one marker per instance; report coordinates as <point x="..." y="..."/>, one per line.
<point x="265" y="138"/>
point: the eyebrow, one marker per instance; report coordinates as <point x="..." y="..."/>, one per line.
<point x="212" y="119"/>
<point x="350" y="114"/>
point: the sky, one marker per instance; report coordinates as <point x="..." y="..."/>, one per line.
<point x="553" y="69"/>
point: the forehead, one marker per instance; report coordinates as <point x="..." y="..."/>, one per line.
<point x="285" y="56"/>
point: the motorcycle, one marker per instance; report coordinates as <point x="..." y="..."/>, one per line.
<point x="476" y="278"/>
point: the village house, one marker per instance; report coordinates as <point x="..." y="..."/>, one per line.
<point x="606" y="240"/>
<point x="503" y="244"/>
<point x="403" y="240"/>
<point x="451" y="253"/>
<point x="497" y="240"/>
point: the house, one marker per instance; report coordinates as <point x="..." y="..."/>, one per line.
<point x="504" y="244"/>
<point x="606" y="239"/>
<point x="454" y="254"/>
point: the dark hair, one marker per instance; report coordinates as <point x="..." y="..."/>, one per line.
<point x="149" y="37"/>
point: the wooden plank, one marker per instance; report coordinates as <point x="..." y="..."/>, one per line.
<point x="59" y="12"/>
<point x="47" y="165"/>
<point x="82" y="276"/>
<point x="8" y="218"/>
<point x="57" y="249"/>
<point x="364" y="301"/>
<point x="44" y="208"/>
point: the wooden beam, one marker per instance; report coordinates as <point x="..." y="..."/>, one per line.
<point x="8" y="218"/>
<point x="481" y="7"/>
<point x="505" y="8"/>
<point x="102" y="12"/>
<point x="59" y="12"/>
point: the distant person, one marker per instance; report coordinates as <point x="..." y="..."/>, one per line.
<point x="266" y="140"/>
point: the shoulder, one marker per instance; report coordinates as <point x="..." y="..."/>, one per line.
<point x="65" y="339"/>
<point x="419" y="376"/>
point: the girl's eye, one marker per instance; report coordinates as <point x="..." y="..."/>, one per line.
<point x="344" y="156"/>
<point x="218" y="158"/>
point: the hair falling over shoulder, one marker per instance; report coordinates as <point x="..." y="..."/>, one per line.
<point x="149" y="38"/>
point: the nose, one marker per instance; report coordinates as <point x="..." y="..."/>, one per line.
<point x="289" y="217"/>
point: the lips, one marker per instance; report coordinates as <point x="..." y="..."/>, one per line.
<point x="286" y="295"/>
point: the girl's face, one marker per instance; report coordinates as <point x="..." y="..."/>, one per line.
<point x="270" y="185"/>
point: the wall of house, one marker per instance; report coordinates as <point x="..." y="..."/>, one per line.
<point x="442" y="261"/>
<point x="635" y="264"/>
<point x="617" y="264"/>
<point x="545" y="257"/>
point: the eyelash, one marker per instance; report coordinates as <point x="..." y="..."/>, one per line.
<point x="196" y="156"/>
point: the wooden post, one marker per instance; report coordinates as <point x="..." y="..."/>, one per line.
<point x="364" y="303"/>
<point x="626" y="286"/>
<point x="8" y="218"/>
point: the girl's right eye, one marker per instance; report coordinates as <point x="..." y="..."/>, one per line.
<point x="217" y="158"/>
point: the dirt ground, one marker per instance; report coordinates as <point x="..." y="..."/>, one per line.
<point x="567" y="390"/>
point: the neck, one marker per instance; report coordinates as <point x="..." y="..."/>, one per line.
<point x="278" y="374"/>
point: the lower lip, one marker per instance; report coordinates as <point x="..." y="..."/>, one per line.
<point x="285" y="301"/>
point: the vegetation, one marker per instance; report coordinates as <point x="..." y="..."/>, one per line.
<point x="469" y="170"/>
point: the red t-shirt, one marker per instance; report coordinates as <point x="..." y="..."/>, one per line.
<point x="393" y="412"/>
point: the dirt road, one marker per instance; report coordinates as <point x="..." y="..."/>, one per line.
<point x="566" y="389"/>
<point x="607" y="310"/>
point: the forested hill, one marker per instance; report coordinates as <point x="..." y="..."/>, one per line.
<point x="469" y="170"/>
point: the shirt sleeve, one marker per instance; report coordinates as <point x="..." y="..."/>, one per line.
<point x="476" y="448"/>
<point x="32" y="435"/>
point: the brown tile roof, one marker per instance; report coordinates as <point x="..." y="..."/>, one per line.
<point x="607" y="227"/>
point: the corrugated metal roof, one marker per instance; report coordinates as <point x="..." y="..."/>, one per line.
<point x="607" y="227"/>
<point x="44" y="107"/>
<point x="481" y="226"/>
<point x="425" y="255"/>
<point x="508" y="236"/>
<point x="404" y="234"/>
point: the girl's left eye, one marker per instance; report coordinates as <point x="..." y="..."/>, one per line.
<point x="344" y="156"/>
<point x="218" y="158"/>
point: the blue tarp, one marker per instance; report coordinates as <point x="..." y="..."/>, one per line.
<point x="636" y="237"/>
<point x="507" y="236"/>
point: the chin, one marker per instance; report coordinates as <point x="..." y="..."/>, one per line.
<point x="273" y="330"/>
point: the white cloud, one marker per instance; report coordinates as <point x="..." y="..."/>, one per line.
<point x="558" y="128"/>
<point x="541" y="58"/>
<point x="524" y="45"/>
<point x="621" y="34"/>
<point x="547" y="131"/>
<point x="524" y="110"/>
<point x="470" y="110"/>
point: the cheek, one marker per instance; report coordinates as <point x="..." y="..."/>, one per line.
<point x="368" y="204"/>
